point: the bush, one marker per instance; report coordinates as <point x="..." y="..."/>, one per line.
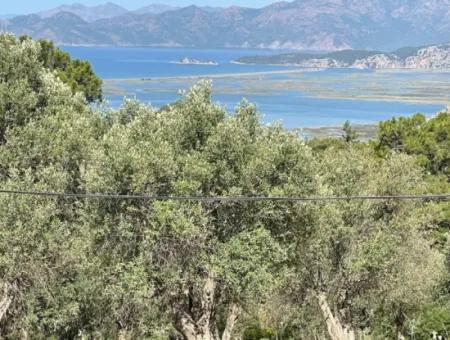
<point x="434" y="321"/>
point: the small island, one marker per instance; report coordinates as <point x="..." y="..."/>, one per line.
<point x="190" y="61"/>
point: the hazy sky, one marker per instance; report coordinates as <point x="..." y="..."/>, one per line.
<point x="30" y="6"/>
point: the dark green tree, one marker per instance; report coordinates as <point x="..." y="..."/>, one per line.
<point x="428" y="139"/>
<point x="350" y="135"/>
<point x="78" y="74"/>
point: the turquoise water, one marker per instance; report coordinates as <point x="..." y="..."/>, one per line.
<point x="292" y="107"/>
<point x="156" y="62"/>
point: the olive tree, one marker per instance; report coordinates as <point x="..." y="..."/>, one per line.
<point x="369" y="263"/>
<point x="158" y="268"/>
<point x="207" y="261"/>
<point x="47" y="135"/>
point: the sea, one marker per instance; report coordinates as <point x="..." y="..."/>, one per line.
<point x="293" y="106"/>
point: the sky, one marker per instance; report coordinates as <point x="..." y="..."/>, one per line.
<point x="32" y="6"/>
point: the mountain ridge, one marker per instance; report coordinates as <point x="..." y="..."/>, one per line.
<point x="319" y="25"/>
<point x="87" y="13"/>
<point x="155" y="9"/>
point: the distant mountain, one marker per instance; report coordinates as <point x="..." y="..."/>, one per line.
<point x="429" y="58"/>
<point x="320" y="25"/>
<point x="87" y="13"/>
<point x="7" y="16"/>
<point x="212" y="9"/>
<point x="155" y="9"/>
<point x="71" y="29"/>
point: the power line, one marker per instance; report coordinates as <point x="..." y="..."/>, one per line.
<point x="99" y="196"/>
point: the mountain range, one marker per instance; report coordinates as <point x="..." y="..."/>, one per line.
<point x="7" y="16"/>
<point x="314" y="25"/>
<point x="87" y="13"/>
<point x="108" y="10"/>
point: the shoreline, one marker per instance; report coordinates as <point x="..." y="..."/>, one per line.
<point x="212" y="76"/>
<point x="387" y="69"/>
<point x="114" y="82"/>
<point x="260" y="73"/>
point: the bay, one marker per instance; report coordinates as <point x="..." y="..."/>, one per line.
<point x="292" y="96"/>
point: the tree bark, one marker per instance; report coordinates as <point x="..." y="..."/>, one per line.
<point x="5" y="302"/>
<point x="207" y="301"/>
<point x="336" y="329"/>
<point x="205" y="327"/>
<point x="122" y="335"/>
<point x="233" y="315"/>
<point x="184" y="324"/>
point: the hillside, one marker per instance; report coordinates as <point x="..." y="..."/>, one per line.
<point x="344" y="57"/>
<point x="87" y="13"/>
<point x="430" y="57"/>
<point x="324" y="25"/>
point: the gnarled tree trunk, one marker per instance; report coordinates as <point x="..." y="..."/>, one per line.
<point x="336" y="329"/>
<point x="205" y="327"/>
<point x="233" y="315"/>
<point x="123" y="335"/>
<point x="5" y="301"/>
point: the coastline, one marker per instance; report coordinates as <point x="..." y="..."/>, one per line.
<point x="387" y="69"/>
<point x="323" y="89"/>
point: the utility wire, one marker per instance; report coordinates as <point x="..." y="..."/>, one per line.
<point x="99" y="196"/>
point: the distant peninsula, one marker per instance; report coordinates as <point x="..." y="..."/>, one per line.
<point x="433" y="57"/>
<point x="190" y="61"/>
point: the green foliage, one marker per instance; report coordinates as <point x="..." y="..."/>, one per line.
<point x="185" y="149"/>
<point x="258" y="333"/>
<point x="51" y="57"/>
<point x="249" y="263"/>
<point x="432" y="322"/>
<point x="429" y="140"/>
<point x="350" y="135"/>
<point x="143" y="269"/>
<point x="78" y="74"/>
<point x="24" y="85"/>
<point x="81" y="78"/>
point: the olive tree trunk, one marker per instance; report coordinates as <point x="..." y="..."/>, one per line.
<point x="336" y="329"/>
<point x="233" y="315"/>
<point x="205" y="327"/>
<point x="5" y="301"/>
<point x="123" y="335"/>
